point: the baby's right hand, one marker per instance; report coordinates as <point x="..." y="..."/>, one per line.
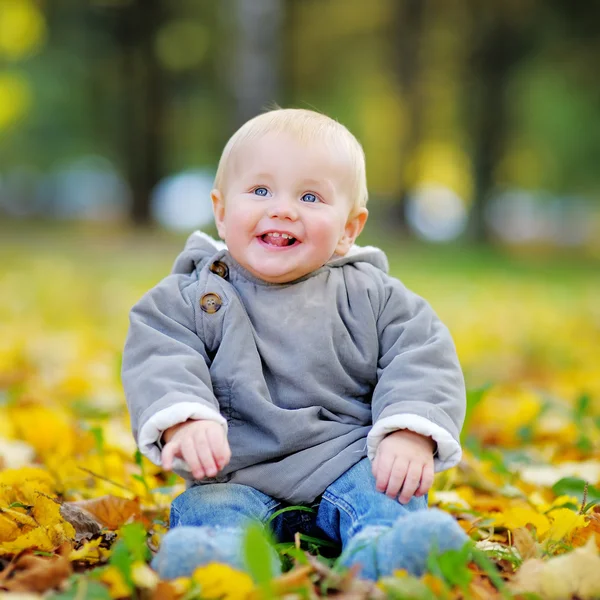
<point x="201" y="444"/>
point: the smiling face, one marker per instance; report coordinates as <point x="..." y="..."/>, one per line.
<point x="285" y="208"/>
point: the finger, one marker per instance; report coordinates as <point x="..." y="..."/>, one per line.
<point x="411" y="481"/>
<point x="374" y="465"/>
<point x="396" y="478"/>
<point x="190" y="455"/>
<point x="426" y="480"/>
<point x="205" y="454"/>
<point x="168" y="453"/>
<point x="384" y="468"/>
<point x="220" y="447"/>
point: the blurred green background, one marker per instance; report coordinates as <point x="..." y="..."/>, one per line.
<point x="481" y="126"/>
<point x="480" y="120"/>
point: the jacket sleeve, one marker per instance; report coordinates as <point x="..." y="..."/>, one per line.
<point x="165" y="369"/>
<point x="420" y="385"/>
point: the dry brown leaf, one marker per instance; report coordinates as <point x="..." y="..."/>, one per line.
<point x="482" y="589"/>
<point x="574" y="574"/>
<point x="582" y="535"/>
<point x="30" y="573"/>
<point x="86" y="526"/>
<point x="525" y="543"/>
<point x="111" y="511"/>
<point x="165" y="591"/>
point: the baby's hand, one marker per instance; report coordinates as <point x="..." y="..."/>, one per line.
<point x="201" y="444"/>
<point x="404" y="461"/>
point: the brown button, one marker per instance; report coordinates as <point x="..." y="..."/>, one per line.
<point x="220" y="269"/>
<point x="211" y="303"/>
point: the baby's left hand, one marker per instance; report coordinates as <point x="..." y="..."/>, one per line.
<point x="404" y="461"/>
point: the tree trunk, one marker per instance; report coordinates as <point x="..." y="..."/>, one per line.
<point x="407" y="32"/>
<point x="143" y="98"/>
<point x="255" y="74"/>
<point x="502" y="42"/>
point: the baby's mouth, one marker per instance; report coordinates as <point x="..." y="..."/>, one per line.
<point x="278" y="239"/>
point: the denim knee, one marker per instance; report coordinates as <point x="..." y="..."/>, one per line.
<point x="184" y="549"/>
<point x="405" y="545"/>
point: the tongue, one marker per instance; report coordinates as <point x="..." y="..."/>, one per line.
<point x="277" y="241"/>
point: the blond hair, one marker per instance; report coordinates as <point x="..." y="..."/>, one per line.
<point x="306" y="126"/>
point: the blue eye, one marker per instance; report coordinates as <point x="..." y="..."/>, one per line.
<point x="308" y="197"/>
<point x="261" y="191"/>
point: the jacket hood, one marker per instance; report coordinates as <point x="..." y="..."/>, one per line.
<point x="200" y="248"/>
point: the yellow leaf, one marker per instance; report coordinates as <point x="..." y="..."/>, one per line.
<point x="42" y="478"/>
<point x="564" y="522"/>
<point x="520" y="406"/>
<point x="143" y="576"/>
<point x="520" y="516"/>
<point x="90" y="552"/>
<point x="30" y="518"/>
<point x="117" y="586"/>
<point x="48" y="430"/>
<point x="222" y="581"/>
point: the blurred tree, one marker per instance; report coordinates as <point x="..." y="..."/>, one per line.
<point x="142" y="96"/>
<point x="255" y="69"/>
<point x="502" y="34"/>
<point x="406" y="31"/>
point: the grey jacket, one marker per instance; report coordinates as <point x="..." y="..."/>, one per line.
<point x="306" y="377"/>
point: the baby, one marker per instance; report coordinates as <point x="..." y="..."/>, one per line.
<point x="288" y="368"/>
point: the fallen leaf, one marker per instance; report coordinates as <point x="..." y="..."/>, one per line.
<point x="90" y="552"/>
<point x="525" y="543"/>
<point x="223" y="582"/>
<point x="84" y="523"/>
<point x="30" y="573"/>
<point x="574" y="574"/>
<point x="110" y="511"/>
<point x="116" y="583"/>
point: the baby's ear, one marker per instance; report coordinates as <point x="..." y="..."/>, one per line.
<point x="352" y="230"/>
<point x="218" y="203"/>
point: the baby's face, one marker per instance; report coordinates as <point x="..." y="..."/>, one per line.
<point x="285" y="208"/>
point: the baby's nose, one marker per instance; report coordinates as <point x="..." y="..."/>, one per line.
<point x="284" y="208"/>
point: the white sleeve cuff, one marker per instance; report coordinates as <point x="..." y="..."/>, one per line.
<point x="154" y="427"/>
<point x="448" y="452"/>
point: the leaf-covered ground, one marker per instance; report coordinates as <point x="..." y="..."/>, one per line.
<point x="81" y="512"/>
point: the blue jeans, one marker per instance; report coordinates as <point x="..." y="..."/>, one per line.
<point x="375" y="532"/>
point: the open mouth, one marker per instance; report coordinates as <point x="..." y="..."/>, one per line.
<point x="278" y="240"/>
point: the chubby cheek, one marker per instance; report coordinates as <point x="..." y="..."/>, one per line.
<point x="238" y="226"/>
<point x="327" y="234"/>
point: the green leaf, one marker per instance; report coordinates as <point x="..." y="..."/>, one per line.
<point x="259" y="554"/>
<point x="317" y="541"/>
<point x="140" y="463"/>
<point x="134" y="536"/>
<point x="589" y="505"/>
<point x="406" y="588"/>
<point x="452" y="566"/>
<point x="582" y="406"/>
<point x="489" y="568"/>
<point x="98" y="438"/>
<point x="129" y="548"/>
<point x="574" y="486"/>
<point x="122" y="560"/>
<point x="474" y="397"/>
<point x="289" y="509"/>
<point x="81" y="586"/>
<point x="20" y="505"/>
